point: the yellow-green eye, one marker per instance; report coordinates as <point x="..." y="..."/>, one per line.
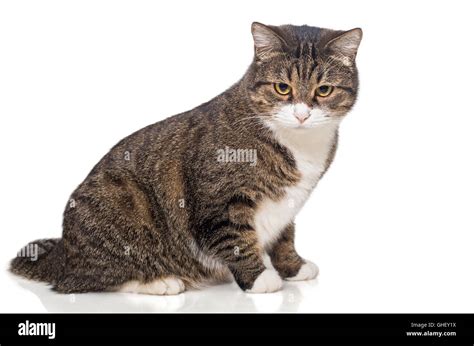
<point x="324" y="90"/>
<point x="282" y="88"/>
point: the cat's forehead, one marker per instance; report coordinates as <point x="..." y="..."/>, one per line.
<point x="305" y="40"/>
<point x="303" y="44"/>
<point x="300" y="33"/>
<point x="304" y="64"/>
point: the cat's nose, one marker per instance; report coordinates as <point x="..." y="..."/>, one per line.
<point x="301" y="112"/>
<point x="302" y="116"/>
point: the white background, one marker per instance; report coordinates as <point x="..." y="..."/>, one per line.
<point x="390" y="225"/>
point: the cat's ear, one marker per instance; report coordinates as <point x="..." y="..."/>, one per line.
<point x="346" y="43"/>
<point x="266" y="41"/>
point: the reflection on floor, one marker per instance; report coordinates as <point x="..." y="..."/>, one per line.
<point x="222" y="298"/>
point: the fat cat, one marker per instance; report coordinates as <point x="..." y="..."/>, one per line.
<point x="165" y="211"/>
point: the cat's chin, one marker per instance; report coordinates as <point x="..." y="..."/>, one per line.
<point x="306" y="127"/>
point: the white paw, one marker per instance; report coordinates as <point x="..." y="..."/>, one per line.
<point x="268" y="281"/>
<point x="173" y="286"/>
<point x="164" y="286"/>
<point x="308" y="271"/>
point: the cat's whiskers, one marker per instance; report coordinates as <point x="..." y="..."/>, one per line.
<point x="311" y="124"/>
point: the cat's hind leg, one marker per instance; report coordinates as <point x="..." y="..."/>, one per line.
<point x="163" y="286"/>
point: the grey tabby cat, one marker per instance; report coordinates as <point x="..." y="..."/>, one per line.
<point x="178" y="205"/>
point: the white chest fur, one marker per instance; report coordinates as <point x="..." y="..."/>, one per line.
<point x="310" y="148"/>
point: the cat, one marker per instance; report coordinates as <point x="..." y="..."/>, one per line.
<point x="211" y="195"/>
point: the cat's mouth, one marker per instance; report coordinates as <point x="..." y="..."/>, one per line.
<point x="301" y="125"/>
<point x="300" y="116"/>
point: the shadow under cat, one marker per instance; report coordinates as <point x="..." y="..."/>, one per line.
<point x="221" y="298"/>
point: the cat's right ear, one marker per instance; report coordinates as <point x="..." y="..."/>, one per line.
<point x="267" y="42"/>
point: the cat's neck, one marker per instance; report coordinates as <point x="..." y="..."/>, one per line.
<point x="308" y="144"/>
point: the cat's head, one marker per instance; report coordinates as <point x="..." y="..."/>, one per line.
<point x="303" y="76"/>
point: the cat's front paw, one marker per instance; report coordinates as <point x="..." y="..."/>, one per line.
<point x="268" y="281"/>
<point x="308" y="271"/>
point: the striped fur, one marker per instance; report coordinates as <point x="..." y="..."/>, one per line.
<point x="160" y="211"/>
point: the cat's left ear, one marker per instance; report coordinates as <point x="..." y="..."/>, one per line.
<point x="346" y="43"/>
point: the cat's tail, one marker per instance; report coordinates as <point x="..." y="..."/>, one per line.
<point x="41" y="260"/>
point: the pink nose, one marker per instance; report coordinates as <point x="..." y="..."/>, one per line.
<point x="302" y="116"/>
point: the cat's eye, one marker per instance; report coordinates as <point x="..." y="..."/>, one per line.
<point x="324" y="90"/>
<point x="282" y="88"/>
